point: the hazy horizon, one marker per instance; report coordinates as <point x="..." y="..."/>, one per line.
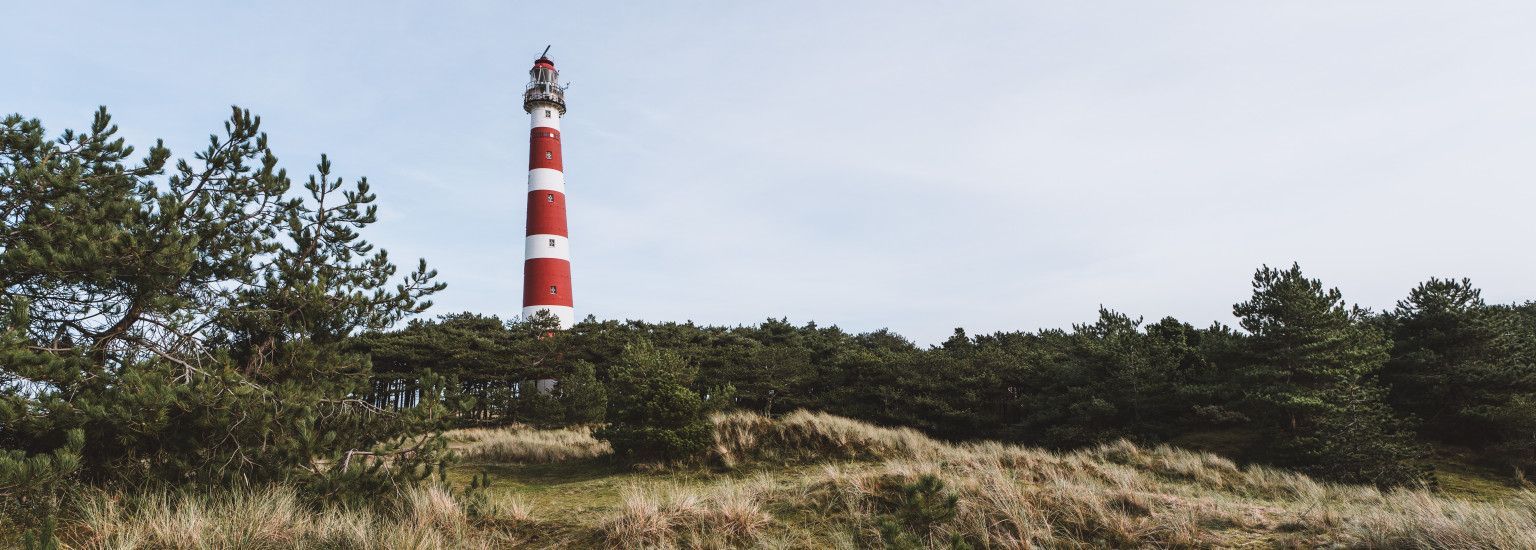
<point x="992" y="166"/>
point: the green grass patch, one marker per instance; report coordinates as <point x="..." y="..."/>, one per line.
<point x="1461" y="474"/>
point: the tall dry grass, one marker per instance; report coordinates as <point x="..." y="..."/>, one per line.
<point x="801" y="436"/>
<point x="1415" y="519"/>
<point x="524" y="445"/>
<point x="273" y="517"/>
<point x="1114" y="495"/>
<point x="668" y="515"/>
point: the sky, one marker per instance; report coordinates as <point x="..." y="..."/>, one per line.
<point x="917" y="166"/>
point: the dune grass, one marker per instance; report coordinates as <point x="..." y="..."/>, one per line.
<point x="729" y="514"/>
<point x="274" y="517"/>
<point x="524" y="445"/>
<point x="810" y="480"/>
<point x="802" y="436"/>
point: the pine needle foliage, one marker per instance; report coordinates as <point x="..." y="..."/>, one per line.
<point x="654" y="415"/>
<point x="181" y="322"/>
<point x="1311" y="375"/>
<point x="1466" y="368"/>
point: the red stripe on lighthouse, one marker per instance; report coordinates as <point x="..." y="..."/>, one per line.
<point x="544" y="149"/>
<point x="546" y="213"/>
<point x="547" y="282"/>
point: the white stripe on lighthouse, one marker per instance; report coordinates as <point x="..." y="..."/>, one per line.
<point x="546" y="179"/>
<point x="566" y="315"/>
<point x="547" y="246"/>
<point x="539" y="119"/>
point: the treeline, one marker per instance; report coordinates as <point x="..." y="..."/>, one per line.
<point x="1306" y="380"/>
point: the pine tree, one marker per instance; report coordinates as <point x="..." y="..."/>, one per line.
<point x="654" y="414"/>
<point x="1441" y="335"/>
<point x="1465" y="368"/>
<point x="583" y="398"/>
<point x="187" y="319"/>
<point x="1310" y="373"/>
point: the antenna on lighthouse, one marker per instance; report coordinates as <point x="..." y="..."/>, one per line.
<point x="546" y="50"/>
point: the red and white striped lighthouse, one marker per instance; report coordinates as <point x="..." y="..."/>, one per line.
<point x="547" y="258"/>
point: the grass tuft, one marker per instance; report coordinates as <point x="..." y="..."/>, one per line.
<point x="804" y="436"/>
<point x="273" y="517"/>
<point x="524" y="445"/>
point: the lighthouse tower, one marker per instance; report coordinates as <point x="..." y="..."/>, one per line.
<point x="547" y="258"/>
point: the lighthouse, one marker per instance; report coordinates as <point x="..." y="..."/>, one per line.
<point x="547" y="246"/>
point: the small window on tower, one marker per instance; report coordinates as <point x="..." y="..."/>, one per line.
<point x="554" y="289"/>
<point x="551" y="243"/>
<point x="546" y="113"/>
<point x="549" y="155"/>
<point x="550" y="197"/>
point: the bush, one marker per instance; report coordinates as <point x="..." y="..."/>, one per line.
<point x="654" y="415"/>
<point x="914" y="509"/>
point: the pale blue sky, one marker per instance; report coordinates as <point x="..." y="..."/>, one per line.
<point x="911" y="165"/>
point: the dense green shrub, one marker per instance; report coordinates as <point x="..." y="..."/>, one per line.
<point x="654" y="415"/>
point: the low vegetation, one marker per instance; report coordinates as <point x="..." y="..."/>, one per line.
<point x="274" y="517"/>
<point x="744" y="438"/>
<point x="817" y="480"/>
